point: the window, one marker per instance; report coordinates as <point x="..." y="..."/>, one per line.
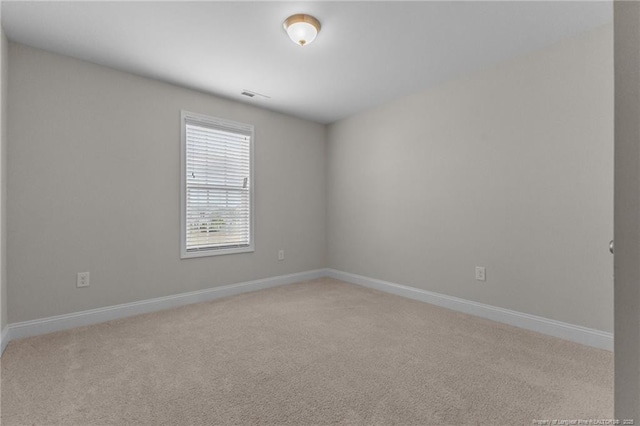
<point x="217" y="186"/>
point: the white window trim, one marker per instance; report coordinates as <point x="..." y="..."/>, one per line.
<point x="232" y="125"/>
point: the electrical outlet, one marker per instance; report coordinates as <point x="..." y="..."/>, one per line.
<point x="481" y="273"/>
<point x="82" y="279"/>
<point x="280" y="254"/>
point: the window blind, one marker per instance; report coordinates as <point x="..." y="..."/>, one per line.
<point x="217" y="185"/>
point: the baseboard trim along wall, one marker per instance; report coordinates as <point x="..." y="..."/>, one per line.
<point x="4" y="339"/>
<point x="575" y="333"/>
<point x="94" y="316"/>
<point x="586" y="336"/>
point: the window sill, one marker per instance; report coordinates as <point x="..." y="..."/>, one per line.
<point x="216" y="252"/>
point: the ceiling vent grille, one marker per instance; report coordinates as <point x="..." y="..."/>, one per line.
<point x="251" y="94"/>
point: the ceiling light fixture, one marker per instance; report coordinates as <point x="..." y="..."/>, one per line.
<point x="302" y="29"/>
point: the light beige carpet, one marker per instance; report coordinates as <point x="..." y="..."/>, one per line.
<point x="318" y="352"/>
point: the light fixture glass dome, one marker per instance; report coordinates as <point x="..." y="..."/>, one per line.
<point x="302" y="29"/>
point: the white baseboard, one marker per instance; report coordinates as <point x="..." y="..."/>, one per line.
<point x="575" y="333"/>
<point x="4" y="339"/>
<point x="94" y="316"/>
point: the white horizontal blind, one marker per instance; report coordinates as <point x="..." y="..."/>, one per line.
<point x="217" y="185"/>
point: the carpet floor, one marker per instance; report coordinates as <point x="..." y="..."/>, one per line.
<point x="317" y="352"/>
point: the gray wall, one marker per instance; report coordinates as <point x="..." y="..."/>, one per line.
<point x="627" y="210"/>
<point x="510" y="168"/>
<point x="3" y="179"/>
<point x="94" y="186"/>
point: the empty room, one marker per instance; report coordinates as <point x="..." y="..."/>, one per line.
<point x="319" y="212"/>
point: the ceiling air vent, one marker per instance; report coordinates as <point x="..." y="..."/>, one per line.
<point x="251" y="94"/>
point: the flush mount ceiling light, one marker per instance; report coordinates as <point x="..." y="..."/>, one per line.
<point x="302" y="29"/>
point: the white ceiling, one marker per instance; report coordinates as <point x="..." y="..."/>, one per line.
<point x="366" y="54"/>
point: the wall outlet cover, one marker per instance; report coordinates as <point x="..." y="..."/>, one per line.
<point x="82" y="280"/>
